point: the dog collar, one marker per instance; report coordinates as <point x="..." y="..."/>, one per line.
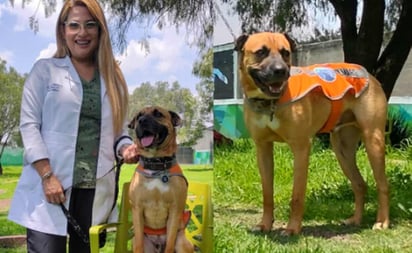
<point x="163" y="175"/>
<point x="264" y="106"/>
<point x="158" y="163"/>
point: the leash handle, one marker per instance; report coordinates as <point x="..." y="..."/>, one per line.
<point x="72" y="221"/>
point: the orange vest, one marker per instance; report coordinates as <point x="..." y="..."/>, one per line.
<point x="334" y="80"/>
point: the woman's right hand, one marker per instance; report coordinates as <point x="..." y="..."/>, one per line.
<point x="53" y="190"/>
<point x="52" y="187"/>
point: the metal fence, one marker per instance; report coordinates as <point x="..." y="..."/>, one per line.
<point x="12" y="156"/>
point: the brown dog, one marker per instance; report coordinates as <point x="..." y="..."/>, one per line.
<point x="158" y="189"/>
<point x="266" y="77"/>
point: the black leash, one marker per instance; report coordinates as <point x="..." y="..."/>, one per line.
<point x="75" y="225"/>
<point x="72" y="221"/>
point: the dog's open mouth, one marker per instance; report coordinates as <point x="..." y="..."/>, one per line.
<point x="152" y="139"/>
<point x="276" y="88"/>
<point x="273" y="89"/>
<point x="268" y="84"/>
<point x="147" y="139"/>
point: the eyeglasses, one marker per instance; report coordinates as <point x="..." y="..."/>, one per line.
<point x="74" y="26"/>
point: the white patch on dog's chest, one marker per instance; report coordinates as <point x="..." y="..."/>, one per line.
<point x="267" y="121"/>
<point x="157" y="184"/>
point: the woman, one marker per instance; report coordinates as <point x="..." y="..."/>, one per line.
<point x="73" y="123"/>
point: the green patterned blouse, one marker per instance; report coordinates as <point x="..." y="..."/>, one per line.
<point x="88" y="138"/>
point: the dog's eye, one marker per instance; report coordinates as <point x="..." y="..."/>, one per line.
<point x="262" y="53"/>
<point x="285" y="53"/>
<point x="157" y="114"/>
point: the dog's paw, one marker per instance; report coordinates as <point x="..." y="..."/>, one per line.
<point x="294" y="227"/>
<point x="380" y="225"/>
<point x="260" y="228"/>
<point x="289" y="232"/>
<point x="352" y="221"/>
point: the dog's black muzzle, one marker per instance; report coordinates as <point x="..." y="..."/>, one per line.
<point x="148" y="126"/>
<point x="271" y="76"/>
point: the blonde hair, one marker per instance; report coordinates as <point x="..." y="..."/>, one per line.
<point x="115" y="83"/>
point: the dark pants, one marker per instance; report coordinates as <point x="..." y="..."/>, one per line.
<point x="81" y="203"/>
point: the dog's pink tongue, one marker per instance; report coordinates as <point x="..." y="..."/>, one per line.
<point x="147" y="141"/>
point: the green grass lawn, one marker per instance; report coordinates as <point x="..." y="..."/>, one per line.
<point x="8" y="181"/>
<point x="237" y="203"/>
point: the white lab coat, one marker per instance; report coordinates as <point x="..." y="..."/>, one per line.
<point x="49" y="121"/>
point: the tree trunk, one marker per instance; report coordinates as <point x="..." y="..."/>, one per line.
<point x="347" y="12"/>
<point x="363" y="46"/>
<point x="2" y="150"/>
<point x="396" y="52"/>
<point x="370" y="35"/>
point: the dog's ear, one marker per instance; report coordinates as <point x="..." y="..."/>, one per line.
<point x="240" y="42"/>
<point x="132" y="123"/>
<point x="176" y="120"/>
<point x="291" y="41"/>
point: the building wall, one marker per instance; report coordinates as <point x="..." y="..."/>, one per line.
<point x="329" y="51"/>
<point x="203" y="150"/>
<point x="200" y="153"/>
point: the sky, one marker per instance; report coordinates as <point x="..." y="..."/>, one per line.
<point x="170" y="57"/>
<point x="317" y="19"/>
<point x="226" y="33"/>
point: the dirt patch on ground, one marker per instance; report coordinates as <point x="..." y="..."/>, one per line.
<point x="12" y="241"/>
<point x="4" y="204"/>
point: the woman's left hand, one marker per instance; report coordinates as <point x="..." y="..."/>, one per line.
<point x="130" y="154"/>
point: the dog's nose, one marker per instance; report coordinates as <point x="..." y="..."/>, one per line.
<point x="142" y="120"/>
<point x="278" y="70"/>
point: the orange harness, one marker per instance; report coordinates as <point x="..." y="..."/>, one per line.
<point x="162" y="231"/>
<point x="164" y="175"/>
<point x="334" y="80"/>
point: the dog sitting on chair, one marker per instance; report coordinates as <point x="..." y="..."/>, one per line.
<point x="158" y="189"/>
<point x="283" y="103"/>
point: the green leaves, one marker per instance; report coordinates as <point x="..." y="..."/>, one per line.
<point x="11" y="85"/>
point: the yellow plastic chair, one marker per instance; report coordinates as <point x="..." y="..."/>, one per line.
<point x="199" y="230"/>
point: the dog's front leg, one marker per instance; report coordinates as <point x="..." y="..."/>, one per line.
<point x="264" y="152"/>
<point x="301" y="152"/>
<point x="138" y="229"/>
<point x="173" y="223"/>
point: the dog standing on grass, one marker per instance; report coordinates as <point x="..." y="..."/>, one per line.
<point x="158" y="189"/>
<point x="291" y="104"/>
